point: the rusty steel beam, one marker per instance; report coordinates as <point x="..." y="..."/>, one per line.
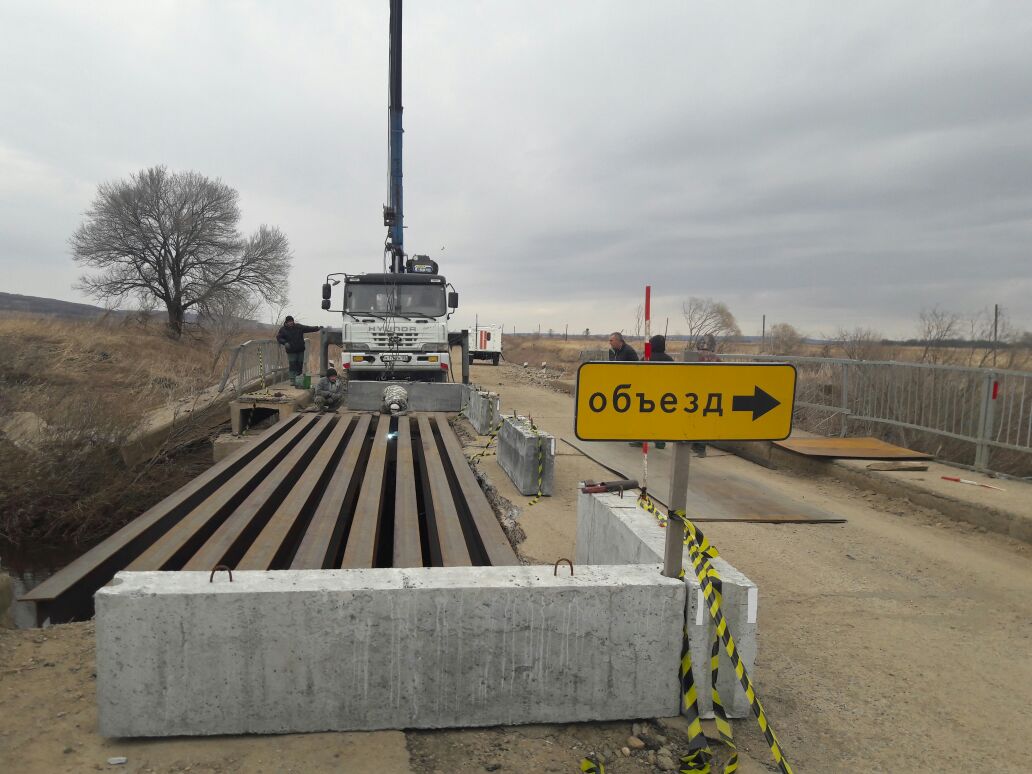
<point x="493" y="542"/>
<point x="231" y="538"/>
<point x="175" y="545"/>
<point x="360" y="550"/>
<point x="83" y="575"/>
<point x="282" y="528"/>
<point x="452" y="543"/>
<point x="408" y="550"/>
<point x="329" y="523"/>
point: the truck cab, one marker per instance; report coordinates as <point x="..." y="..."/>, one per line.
<point x="395" y="325"/>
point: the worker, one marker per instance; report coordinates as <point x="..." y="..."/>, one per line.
<point x="706" y="348"/>
<point x="659" y="349"/>
<point x="620" y="349"/>
<point x="292" y="337"/>
<point x="329" y="392"/>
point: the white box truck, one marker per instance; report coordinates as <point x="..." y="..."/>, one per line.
<point x="485" y="343"/>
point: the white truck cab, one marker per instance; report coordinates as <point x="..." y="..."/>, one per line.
<point x="395" y="325"/>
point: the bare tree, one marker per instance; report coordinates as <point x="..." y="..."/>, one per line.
<point x="706" y="317"/>
<point x="938" y="329"/>
<point x="224" y="316"/>
<point x="173" y="236"/>
<point x="639" y="319"/>
<point x="860" y="343"/>
<point x="784" y="339"/>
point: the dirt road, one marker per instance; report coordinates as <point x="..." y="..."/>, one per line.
<point x="895" y="642"/>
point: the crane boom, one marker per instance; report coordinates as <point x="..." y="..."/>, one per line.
<point x="394" y="217"/>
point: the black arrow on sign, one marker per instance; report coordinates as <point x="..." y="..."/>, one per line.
<point x="759" y="403"/>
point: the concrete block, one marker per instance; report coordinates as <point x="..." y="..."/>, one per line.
<point x="518" y="448"/>
<point x="297" y="651"/>
<point x="612" y="531"/>
<point x="227" y="443"/>
<point x="423" y="396"/>
<point x="482" y="409"/>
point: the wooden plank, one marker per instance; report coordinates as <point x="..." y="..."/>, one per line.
<point x="491" y="535"/>
<point x="408" y="550"/>
<point x="327" y="522"/>
<point x="200" y="520"/>
<point x="441" y="507"/>
<point x="98" y="565"/>
<point x="282" y="524"/>
<point x="365" y="526"/>
<point x="231" y="532"/>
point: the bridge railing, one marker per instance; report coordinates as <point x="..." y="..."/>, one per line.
<point x="249" y="362"/>
<point x="978" y="417"/>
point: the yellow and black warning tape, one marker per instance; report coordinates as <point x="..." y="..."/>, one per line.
<point x="699" y="756"/>
<point x="591" y="765"/>
<point x="540" y="464"/>
<point x="491" y="436"/>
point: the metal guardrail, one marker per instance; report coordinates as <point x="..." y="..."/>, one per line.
<point x="981" y="417"/>
<point x="249" y="361"/>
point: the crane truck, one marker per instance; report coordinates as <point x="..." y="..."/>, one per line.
<point x="395" y="323"/>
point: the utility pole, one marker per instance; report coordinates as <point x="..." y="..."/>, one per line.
<point x="763" y="335"/>
<point x="566" y="334"/>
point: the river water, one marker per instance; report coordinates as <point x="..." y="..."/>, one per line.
<point x="29" y="567"/>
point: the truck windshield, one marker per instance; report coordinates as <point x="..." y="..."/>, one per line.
<point x="426" y="300"/>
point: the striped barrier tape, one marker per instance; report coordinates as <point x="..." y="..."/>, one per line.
<point x="491" y="436"/>
<point x="697" y="760"/>
<point x="540" y="465"/>
<point x="591" y="766"/>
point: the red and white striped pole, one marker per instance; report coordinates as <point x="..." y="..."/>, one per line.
<point x="648" y="356"/>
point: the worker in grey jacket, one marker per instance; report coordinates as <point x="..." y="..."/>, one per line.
<point x="329" y="392"/>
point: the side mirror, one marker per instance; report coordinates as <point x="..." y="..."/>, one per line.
<point x="326" y="303"/>
<point x="453" y="300"/>
<point x="326" y="292"/>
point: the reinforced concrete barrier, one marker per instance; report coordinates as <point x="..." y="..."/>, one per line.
<point x="614" y="531"/>
<point x="422" y="396"/>
<point x="318" y="650"/>
<point x="520" y="450"/>
<point x="482" y="409"/>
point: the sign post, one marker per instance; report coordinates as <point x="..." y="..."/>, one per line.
<point x="674" y="546"/>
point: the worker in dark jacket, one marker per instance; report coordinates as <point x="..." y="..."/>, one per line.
<point x="292" y="337"/>
<point x="620" y="349"/>
<point x="329" y="392"/>
<point x="659" y="349"/>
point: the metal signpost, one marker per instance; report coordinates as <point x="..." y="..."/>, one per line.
<point x="681" y="402"/>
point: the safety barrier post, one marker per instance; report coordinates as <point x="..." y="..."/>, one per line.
<point x="465" y="356"/>
<point x="985" y="423"/>
<point x="845" y="399"/>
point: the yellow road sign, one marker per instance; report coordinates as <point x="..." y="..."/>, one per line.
<point x="684" y="401"/>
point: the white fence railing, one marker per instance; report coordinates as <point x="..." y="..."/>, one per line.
<point x="974" y="416"/>
<point x="252" y="360"/>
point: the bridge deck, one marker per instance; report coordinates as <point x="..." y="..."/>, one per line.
<point x="314" y="492"/>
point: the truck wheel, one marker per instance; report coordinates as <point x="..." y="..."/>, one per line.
<point x="494" y="359"/>
<point x="471" y="359"/>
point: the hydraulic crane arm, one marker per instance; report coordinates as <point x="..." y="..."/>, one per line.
<point x="393" y="214"/>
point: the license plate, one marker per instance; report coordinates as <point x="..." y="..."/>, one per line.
<point x="395" y="358"/>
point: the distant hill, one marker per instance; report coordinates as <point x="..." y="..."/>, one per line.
<point x="12" y="302"/>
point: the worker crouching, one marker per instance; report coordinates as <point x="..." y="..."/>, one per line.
<point x="329" y="392"/>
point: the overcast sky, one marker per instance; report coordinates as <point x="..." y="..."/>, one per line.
<point x="828" y="164"/>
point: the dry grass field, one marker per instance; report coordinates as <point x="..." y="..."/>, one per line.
<point x="71" y="393"/>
